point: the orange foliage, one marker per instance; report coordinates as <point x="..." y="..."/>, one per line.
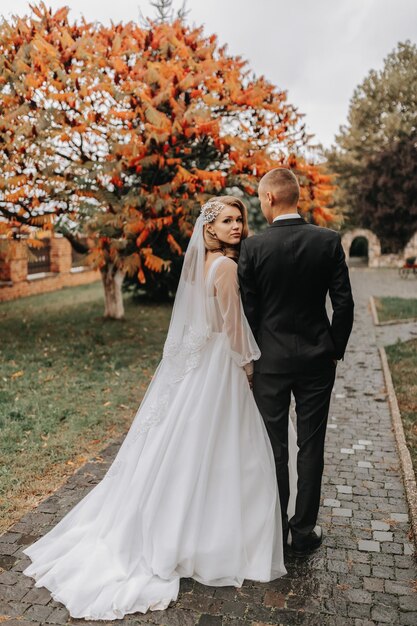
<point x="154" y="263"/>
<point x="175" y="247"/>
<point x="148" y="123"/>
<point x="142" y="238"/>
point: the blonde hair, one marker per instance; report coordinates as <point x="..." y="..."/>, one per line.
<point x="215" y="245"/>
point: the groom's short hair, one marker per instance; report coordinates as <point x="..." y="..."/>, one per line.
<point x="283" y="185"/>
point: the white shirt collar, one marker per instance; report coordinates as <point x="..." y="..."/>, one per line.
<point x="286" y="216"/>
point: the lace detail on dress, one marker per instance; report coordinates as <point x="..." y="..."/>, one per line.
<point x="153" y="415"/>
<point x="191" y="343"/>
<point x="178" y="360"/>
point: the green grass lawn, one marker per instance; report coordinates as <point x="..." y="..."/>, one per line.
<point x="396" y="308"/>
<point x="70" y="381"/>
<point x="402" y="358"/>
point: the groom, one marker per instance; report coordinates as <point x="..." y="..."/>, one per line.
<point x="285" y="273"/>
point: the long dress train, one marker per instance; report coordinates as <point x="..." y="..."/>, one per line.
<point x="192" y="491"/>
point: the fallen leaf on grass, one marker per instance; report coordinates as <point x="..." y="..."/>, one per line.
<point x="17" y="374"/>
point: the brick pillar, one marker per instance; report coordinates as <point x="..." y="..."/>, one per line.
<point x="61" y="255"/>
<point x="14" y="262"/>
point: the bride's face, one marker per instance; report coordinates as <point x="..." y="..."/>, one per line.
<point x="228" y="226"/>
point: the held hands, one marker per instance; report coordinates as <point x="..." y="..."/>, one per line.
<point x="249" y="373"/>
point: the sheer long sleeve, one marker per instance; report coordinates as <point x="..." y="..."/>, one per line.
<point x="243" y="347"/>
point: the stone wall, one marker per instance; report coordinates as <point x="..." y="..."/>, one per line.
<point x="375" y="258"/>
<point x="15" y="282"/>
<point x="390" y="260"/>
<point x="411" y="248"/>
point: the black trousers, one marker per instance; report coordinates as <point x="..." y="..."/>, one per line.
<point x="312" y="392"/>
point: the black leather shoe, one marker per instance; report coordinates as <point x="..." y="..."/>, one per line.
<point x="308" y="544"/>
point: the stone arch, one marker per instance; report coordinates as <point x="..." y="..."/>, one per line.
<point x="374" y="245"/>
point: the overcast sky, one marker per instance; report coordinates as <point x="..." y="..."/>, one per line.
<point x="317" y="50"/>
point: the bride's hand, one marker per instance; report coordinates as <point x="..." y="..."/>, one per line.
<point x="249" y="373"/>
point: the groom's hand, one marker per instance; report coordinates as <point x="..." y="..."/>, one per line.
<point x="250" y="380"/>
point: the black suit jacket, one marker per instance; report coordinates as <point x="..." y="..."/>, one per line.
<point x="285" y="274"/>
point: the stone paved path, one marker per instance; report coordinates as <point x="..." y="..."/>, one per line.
<point x="361" y="576"/>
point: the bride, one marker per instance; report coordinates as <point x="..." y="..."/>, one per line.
<point x="192" y="491"/>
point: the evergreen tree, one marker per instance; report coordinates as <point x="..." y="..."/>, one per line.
<point x="383" y="110"/>
<point x="387" y="193"/>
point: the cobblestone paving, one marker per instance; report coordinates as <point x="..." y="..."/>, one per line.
<point x="364" y="572"/>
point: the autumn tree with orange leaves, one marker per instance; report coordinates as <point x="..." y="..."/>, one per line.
<point x="122" y="132"/>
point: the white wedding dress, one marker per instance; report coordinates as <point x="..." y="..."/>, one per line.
<point x="192" y="491"/>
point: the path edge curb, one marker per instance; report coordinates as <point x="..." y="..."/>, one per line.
<point x="403" y="452"/>
<point x="374" y="312"/>
<point x="375" y="318"/>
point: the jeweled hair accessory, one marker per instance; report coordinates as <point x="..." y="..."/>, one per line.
<point x="210" y="210"/>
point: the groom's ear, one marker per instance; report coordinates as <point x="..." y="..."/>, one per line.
<point x="270" y="198"/>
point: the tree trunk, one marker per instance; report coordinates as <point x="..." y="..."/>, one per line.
<point x="112" y="278"/>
